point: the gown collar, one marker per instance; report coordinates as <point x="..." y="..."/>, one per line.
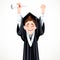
<point x="30" y="42"/>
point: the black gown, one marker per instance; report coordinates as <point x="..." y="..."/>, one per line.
<point x="30" y="53"/>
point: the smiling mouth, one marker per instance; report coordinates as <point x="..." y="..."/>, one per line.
<point x="30" y="30"/>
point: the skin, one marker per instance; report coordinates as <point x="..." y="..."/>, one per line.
<point x="18" y="8"/>
<point x="42" y="8"/>
<point x="30" y="27"/>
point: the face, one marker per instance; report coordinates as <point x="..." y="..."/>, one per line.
<point x="30" y="27"/>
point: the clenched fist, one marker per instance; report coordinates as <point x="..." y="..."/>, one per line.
<point x="43" y="8"/>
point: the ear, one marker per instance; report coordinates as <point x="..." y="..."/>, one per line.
<point x="24" y="27"/>
<point x="35" y="28"/>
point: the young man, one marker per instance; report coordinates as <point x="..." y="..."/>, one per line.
<point x="30" y="30"/>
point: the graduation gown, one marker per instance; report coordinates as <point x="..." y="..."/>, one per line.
<point x="30" y="53"/>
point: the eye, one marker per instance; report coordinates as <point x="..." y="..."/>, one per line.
<point x="32" y="24"/>
<point x="27" y="24"/>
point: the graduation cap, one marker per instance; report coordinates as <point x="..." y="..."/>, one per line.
<point x="31" y="16"/>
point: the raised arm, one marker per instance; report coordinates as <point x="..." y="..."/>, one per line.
<point x="42" y="24"/>
<point x="19" y="18"/>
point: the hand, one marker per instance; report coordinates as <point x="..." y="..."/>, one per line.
<point x="43" y="8"/>
<point x="18" y="8"/>
<point x="19" y="5"/>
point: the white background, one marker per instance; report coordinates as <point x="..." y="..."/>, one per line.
<point x="11" y="45"/>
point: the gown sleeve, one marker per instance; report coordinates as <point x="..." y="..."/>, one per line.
<point x="19" y="18"/>
<point x="41" y="25"/>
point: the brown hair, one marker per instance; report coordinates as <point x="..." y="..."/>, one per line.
<point x="30" y="19"/>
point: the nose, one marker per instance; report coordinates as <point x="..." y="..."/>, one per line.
<point x="30" y="27"/>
